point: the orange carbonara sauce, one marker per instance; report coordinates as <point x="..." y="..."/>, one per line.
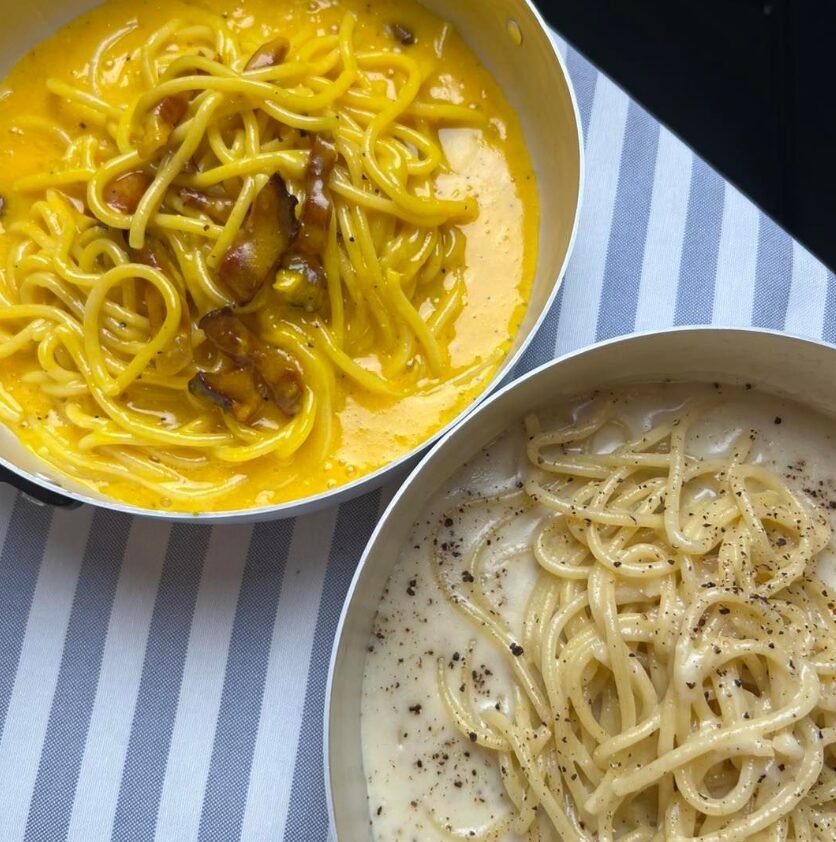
<point x="354" y="430"/>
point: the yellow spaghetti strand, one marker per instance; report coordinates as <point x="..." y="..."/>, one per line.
<point x="161" y="151"/>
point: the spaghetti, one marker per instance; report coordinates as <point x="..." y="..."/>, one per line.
<point x="209" y="267"/>
<point x="674" y="677"/>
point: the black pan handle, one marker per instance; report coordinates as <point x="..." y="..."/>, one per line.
<point x="37" y="492"/>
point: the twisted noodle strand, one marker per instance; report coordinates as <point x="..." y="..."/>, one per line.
<point x="77" y="298"/>
<point x="677" y="677"/>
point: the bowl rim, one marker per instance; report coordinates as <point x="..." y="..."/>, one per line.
<point x="401" y="465"/>
<point x="483" y="407"/>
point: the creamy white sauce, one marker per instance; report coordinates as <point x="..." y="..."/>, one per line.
<point x="417" y="764"/>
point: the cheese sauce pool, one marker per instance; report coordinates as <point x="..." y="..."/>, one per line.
<point x="491" y="165"/>
<point x="422" y="775"/>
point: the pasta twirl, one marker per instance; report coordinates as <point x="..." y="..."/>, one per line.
<point x="289" y="171"/>
<point x="611" y="623"/>
<point x="674" y="679"/>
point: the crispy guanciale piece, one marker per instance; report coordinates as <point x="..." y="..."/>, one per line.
<point x="155" y="254"/>
<point x="402" y="34"/>
<point x="2" y="205"/>
<point x="271" y="226"/>
<point x="229" y="334"/>
<point x="236" y="391"/>
<point x="161" y="120"/>
<point x="282" y="379"/>
<point x="125" y="192"/>
<point x="276" y="370"/>
<point x="217" y="208"/>
<point x="317" y="207"/>
<point x="302" y="281"/>
<point x="269" y="54"/>
<point x="178" y="354"/>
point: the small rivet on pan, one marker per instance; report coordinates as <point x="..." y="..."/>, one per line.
<point x="514" y="31"/>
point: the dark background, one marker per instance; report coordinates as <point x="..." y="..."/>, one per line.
<point x="748" y="84"/>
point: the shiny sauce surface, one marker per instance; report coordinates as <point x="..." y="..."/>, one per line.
<point x="422" y="775"/>
<point x="490" y="164"/>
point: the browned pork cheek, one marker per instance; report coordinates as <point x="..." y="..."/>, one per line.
<point x="401" y="34"/>
<point x="317" y="207"/>
<point x="217" y="208"/>
<point x="309" y="294"/>
<point x="270" y="228"/>
<point x="125" y="192"/>
<point x="235" y="390"/>
<point x="276" y="374"/>
<point x="269" y="54"/>
<point x="161" y="121"/>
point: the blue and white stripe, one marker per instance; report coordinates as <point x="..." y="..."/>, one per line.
<point x="167" y="683"/>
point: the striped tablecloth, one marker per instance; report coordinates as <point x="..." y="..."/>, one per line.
<point x="168" y="683"/>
